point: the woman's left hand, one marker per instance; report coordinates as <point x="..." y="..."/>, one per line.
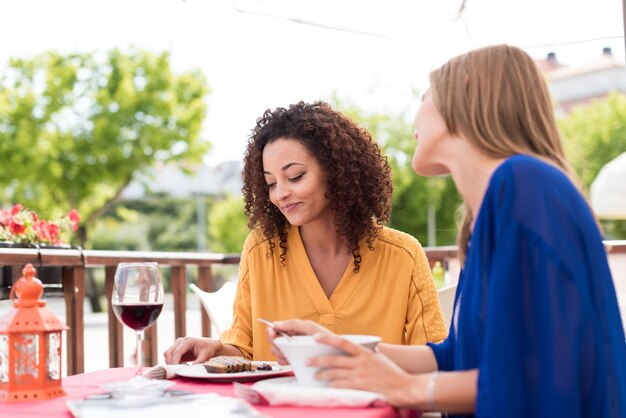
<point x="367" y="370"/>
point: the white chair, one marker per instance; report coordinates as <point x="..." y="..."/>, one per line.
<point x="446" y="300"/>
<point x="218" y="305"/>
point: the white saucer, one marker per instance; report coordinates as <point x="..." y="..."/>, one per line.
<point x="137" y="388"/>
<point x="287" y="391"/>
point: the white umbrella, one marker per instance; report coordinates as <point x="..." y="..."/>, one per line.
<point x="480" y="22"/>
<point x="608" y="190"/>
<point x="608" y="198"/>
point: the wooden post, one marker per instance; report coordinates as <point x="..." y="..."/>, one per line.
<point x="149" y="352"/>
<point x="205" y="282"/>
<point x="74" y="294"/>
<point x="179" y="293"/>
<point x="116" y="335"/>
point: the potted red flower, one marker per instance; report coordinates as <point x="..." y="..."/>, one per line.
<point x="21" y="227"/>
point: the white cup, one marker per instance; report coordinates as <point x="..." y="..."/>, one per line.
<point x="305" y="347"/>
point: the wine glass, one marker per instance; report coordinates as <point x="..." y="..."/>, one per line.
<point x="137" y="300"/>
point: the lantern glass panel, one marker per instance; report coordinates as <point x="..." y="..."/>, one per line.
<point x="54" y="356"/>
<point x="26" y="347"/>
<point x="4" y="359"/>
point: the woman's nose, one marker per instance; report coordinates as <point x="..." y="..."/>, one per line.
<point x="282" y="191"/>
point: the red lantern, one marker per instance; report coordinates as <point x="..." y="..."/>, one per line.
<point x="30" y="345"/>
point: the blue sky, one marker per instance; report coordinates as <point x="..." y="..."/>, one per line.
<point x="255" y="62"/>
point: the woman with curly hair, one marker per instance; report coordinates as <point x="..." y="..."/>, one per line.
<point x="317" y="192"/>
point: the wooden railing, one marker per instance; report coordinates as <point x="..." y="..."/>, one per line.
<point x="74" y="264"/>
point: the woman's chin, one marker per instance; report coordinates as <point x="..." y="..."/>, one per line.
<point x="429" y="170"/>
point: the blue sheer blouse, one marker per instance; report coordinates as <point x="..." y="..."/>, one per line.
<point x="535" y="309"/>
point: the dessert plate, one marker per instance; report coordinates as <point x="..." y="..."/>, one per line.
<point x="198" y="371"/>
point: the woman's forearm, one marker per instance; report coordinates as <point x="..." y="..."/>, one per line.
<point x="229" y="350"/>
<point x="453" y="392"/>
<point x="412" y="359"/>
<point x="429" y="389"/>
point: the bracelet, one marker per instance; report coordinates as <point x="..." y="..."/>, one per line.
<point x="430" y="390"/>
<point x="219" y="351"/>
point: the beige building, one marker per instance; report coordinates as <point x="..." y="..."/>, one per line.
<point x="575" y="85"/>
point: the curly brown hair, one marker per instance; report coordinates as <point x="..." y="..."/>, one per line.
<point x="358" y="176"/>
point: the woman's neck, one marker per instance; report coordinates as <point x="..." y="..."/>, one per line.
<point x="472" y="173"/>
<point x="321" y="236"/>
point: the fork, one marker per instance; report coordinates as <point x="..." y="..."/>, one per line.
<point x="248" y="394"/>
<point x="271" y="325"/>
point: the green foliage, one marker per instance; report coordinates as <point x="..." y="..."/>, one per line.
<point x="163" y="223"/>
<point x="155" y="223"/>
<point x="412" y="193"/>
<point x="112" y="234"/>
<point x="75" y="129"/>
<point x="228" y="225"/>
<point x="593" y="135"/>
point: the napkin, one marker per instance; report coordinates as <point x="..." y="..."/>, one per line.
<point x="163" y="371"/>
<point x="195" y="405"/>
<point x="286" y="391"/>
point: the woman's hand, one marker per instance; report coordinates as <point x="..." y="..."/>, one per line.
<point x="367" y="370"/>
<point x="293" y="327"/>
<point x="197" y="350"/>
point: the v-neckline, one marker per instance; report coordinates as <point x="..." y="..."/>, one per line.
<point x="323" y="303"/>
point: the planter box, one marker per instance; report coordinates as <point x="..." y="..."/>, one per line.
<point x="6" y="281"/>
<point x="51" y="276"/>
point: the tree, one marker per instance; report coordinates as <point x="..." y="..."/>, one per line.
<point x="75" y="129"/>
<point x="593" y="135"/>
<point x="228" y="225"/>
<point x="413" y="194"/>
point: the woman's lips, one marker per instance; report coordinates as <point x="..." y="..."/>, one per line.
<point x="291" y="207"/>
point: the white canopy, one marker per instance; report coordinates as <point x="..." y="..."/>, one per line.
<point x="455" y="24"/>
<point x="608" y="190"/>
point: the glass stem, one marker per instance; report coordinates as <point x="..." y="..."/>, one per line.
<point x="139" y="355"/>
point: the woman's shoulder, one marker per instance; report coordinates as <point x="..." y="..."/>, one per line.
<point x="541" y="198"/>
<point x="401" y="240"/>
<point x="531" y="171"/>
<point x="255" y="238"/>
<point x="532" y="184"/>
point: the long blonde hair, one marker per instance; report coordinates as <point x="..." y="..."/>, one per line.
<point x="497" y="98"/>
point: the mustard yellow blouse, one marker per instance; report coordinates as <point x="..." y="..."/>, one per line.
<point x="392" y="296"/>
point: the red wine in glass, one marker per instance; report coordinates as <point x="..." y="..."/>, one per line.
<point x="138" y="316"/>
<point x="137" y="299"/>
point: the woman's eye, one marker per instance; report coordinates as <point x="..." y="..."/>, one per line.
<point x="271" y="185"/>
<point x="296" y="178"/>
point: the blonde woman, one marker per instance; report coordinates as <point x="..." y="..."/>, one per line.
<point x="536" y="329"/>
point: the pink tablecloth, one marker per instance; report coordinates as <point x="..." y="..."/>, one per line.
<point x="82" y="385"/>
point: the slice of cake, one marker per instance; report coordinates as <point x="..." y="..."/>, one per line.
<point x="227" y="364"/>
